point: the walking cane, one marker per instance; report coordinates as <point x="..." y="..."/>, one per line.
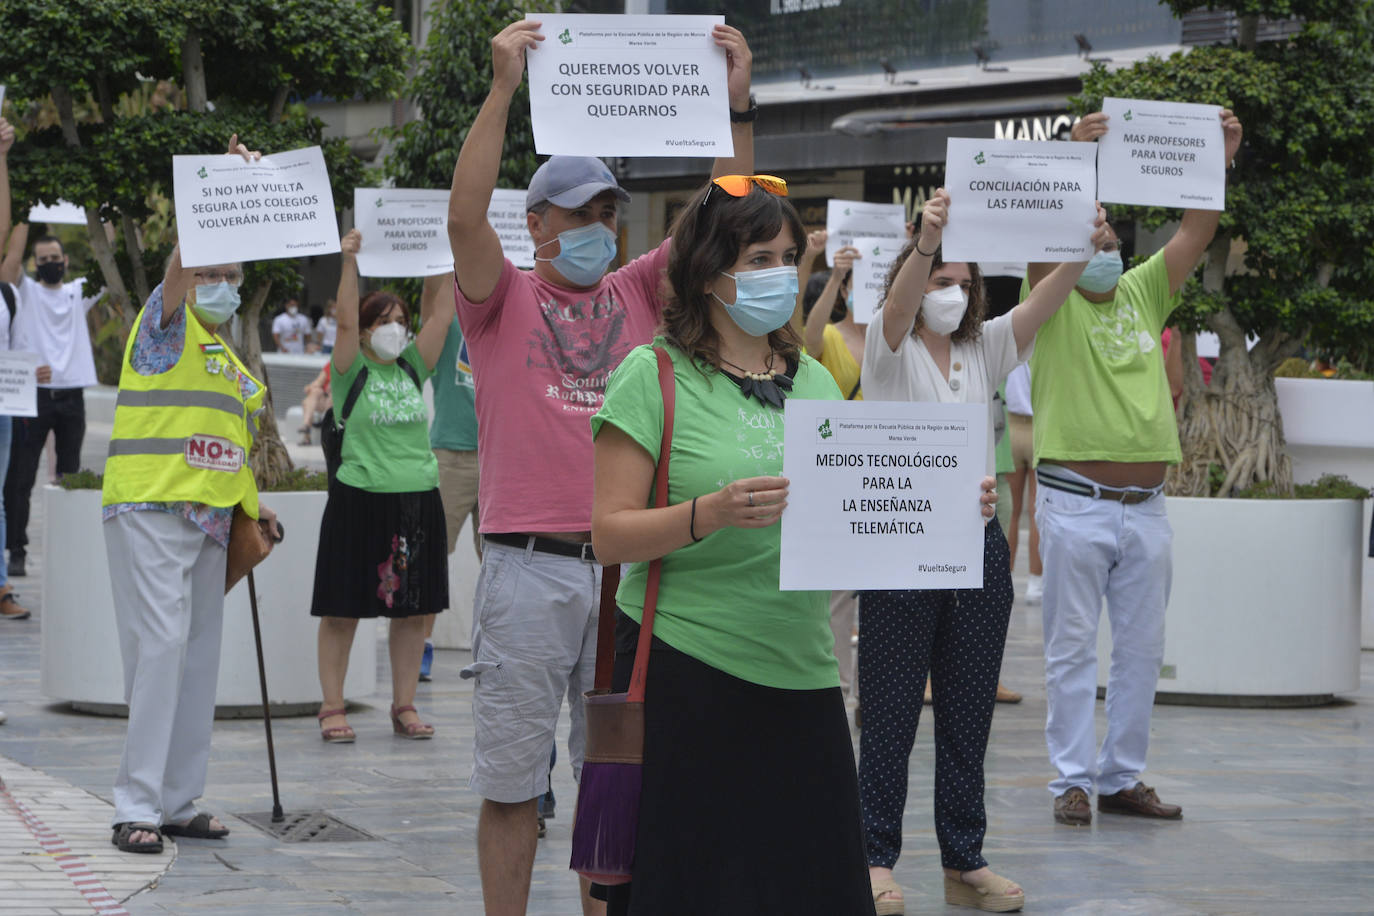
<point x="277" y="815"/>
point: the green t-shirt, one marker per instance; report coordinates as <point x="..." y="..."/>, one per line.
<point x="718" y="599"/>
<point x="1097" y="375"/>
<point x="386" y="445"/>
<point x="455" y="413"/>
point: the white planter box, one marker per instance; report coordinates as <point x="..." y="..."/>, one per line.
<point x="80" y="646"/>
<point x="453" y="628"/>
<point x="1265" y="599"/>
<point x="1329" y="428"/>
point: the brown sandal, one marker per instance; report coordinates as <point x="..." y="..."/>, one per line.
<point x="415" y="731"/>
<point x="337" y="734"/>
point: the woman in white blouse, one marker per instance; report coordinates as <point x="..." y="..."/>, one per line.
<point x="930" y="343"/>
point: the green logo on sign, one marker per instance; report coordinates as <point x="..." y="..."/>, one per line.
<point x="378" y="203"/>
<point x="565" y="36"/>
<point x="877" y="250"/>
<point x="201" y="172"/>
<point x="846" y="211"/>
<point x="1127" y="116"/>
<point x="825" y="430"/>
<point x="979" y="158"/>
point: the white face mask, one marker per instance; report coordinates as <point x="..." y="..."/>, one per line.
<point x="389" y="340"/>
<point x="943" y="309"/>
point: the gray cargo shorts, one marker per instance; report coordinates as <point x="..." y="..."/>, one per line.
<point x="533" y="643"/>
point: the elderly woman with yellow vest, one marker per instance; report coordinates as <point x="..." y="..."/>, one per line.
<point x="178" y="467"/>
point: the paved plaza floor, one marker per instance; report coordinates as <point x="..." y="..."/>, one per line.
<point x="1278" y="808"/>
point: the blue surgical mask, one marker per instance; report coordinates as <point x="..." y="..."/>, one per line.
<point x="1102" y="272"/>
<point x="764" y="299"/>
<point x="583" y="253"/>
<point x="216" y="303"/>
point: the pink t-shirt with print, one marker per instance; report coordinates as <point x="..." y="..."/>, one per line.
<point x="540" y="357"/>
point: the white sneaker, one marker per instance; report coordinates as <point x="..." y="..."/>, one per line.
<point x="1035" y="590"/>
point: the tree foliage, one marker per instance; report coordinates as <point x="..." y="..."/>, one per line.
<point x="449" y="86"/>
<point x="105" y="92"/>
<point x="1300" y="199"/>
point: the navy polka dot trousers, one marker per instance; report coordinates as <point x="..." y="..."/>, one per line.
<point x="957" y="636"/>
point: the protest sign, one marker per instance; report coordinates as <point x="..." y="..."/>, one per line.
<point x="846" y="220"/>
<point x="506" y="214"/>
<point x="64" y="212"/>
<point x="870" y="275"/>
<point x="1162" y="154"/>
<point x="1018" y="200"/>
<point x="2" y="96"/>
<point x="629" y="86"/>
<point x="883" y="494"/>
<point x="18" y="384"/>
<point x="230" y="210"/>
<point x="404" y="232"/>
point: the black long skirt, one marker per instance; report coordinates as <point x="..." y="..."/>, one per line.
<point x="750" y="802"/>
<point x="381" y="554"/>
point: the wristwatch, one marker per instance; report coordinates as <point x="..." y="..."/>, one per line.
<point x="749" y="114"/>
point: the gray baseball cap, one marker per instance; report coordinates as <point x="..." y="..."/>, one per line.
<point x="571" y="181"/>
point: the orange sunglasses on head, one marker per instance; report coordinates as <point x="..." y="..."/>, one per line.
<point x="738" y="185"/>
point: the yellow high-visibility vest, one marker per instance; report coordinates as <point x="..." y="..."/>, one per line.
<point x="184" y="434"/>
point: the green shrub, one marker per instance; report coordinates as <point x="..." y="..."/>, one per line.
<point x="1328" y="486"/>
<point x="84" y="479"/>
<point x="1331" y="486"/>
<point x="1295" y="367"/>
<point x="300" y="479"/>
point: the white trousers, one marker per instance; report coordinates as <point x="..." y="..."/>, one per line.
<point x="168" y="584"/>
<point x="1094" y="549"/>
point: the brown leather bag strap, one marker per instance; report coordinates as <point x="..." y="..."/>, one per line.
<point x="666" y="383"/>
<point x="605" y="628"/>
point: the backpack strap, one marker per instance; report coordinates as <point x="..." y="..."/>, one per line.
<point x="7" y="292"/>
<point x="409" y="370"/>
<point x="354" y="391"/>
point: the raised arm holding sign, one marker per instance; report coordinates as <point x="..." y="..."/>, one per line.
<point x="1189" y="242"/>
<point x="476" y="247"/>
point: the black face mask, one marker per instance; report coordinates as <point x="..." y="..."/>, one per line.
<point x="51" y="271"/>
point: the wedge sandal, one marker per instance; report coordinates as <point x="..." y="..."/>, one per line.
<point x="892" y="906"/>
<point x="991" y="896"/>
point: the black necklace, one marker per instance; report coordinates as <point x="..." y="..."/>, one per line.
<point x="768" y="387"/>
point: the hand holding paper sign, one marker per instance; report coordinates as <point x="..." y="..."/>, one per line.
<point x="43" y="374"/>
<point x="235" y="147"/>
<point x="508" y="53"/>
<point x="739" y="64"/>
<point x="909" y="286"/>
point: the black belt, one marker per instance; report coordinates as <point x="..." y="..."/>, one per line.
<point x="1096" y="490"/>
<point x="582" y="552"/>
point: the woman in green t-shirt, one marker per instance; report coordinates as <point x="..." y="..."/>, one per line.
<point x="382" y="542"/>
<point x="745" y="728"/>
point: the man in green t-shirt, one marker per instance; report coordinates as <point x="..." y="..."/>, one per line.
<point x="1105" y="434"/>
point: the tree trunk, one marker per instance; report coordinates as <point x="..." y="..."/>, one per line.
<point x="193" y="71"/>
<point x="269" y="459"/>
<point x="278" y="106"/>
<point x="100" y="243"/>
<point x="1233" y="424"/>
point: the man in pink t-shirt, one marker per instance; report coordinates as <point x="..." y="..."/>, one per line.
<point x="542" y="344"/>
